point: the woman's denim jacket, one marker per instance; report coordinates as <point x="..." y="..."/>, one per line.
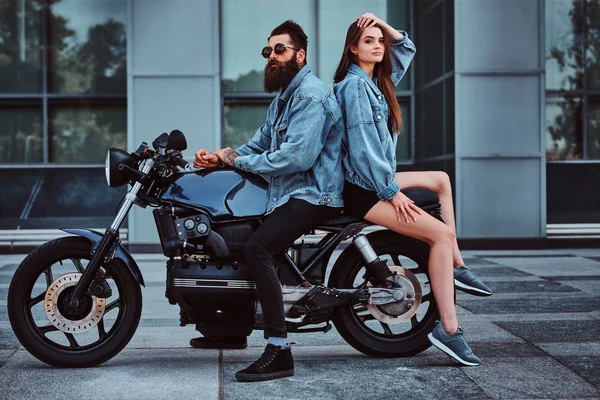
<point x="370" y="150"/>
<point x="298" y="147"/>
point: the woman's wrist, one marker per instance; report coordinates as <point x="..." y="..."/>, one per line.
<point x="394" y="34"/>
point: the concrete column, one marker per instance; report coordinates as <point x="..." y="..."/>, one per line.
<point x="499" y="97"/>
<point x="173" y="81"/>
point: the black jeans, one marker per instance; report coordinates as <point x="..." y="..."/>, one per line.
<point x="279" y="230"/>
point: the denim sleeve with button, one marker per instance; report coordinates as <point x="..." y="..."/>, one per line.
<point x="402" y="50"/>
<point x="308" y="126"/>
<point x="365" y="149"/>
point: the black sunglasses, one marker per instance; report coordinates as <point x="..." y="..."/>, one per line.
<point x="279" y="49"/>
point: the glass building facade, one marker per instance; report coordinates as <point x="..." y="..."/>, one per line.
<point x="78" y="77"/>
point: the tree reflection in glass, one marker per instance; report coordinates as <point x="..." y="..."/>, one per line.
<point x="241" y="123"/>
<point x="565" y="62"/>
<point x="20" y="46"/>
<point x="564" y="129"/>
<point x="89" y="54"/>
<point x="83" y="135"/>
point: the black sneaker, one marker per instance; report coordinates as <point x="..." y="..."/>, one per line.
<point x="276" y="362"/>
<point x="466" y="280"/>
<point x="219" y="342"/>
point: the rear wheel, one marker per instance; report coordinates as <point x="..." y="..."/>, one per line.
<point x="61" y="335"/>
<point x="376" y="330"/>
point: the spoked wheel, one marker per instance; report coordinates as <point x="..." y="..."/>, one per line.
<point x="63" y="335"/>
<point x="397" y="329"/>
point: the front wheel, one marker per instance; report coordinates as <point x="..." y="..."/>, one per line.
<point x="61" y="335"/>
<point x="373" y="330"/>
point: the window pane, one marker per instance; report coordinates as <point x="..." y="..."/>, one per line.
<point x="83" y="135"/>
<point x="88" y="46"/>
<point x="570" y="194"/>
<point x="241" y="123"/>
<point x="593" y="144"/>
<point x="450" y="122"/>
<point x="403" y="150"/>
<point x="20" y="46"/>
<point x="593" y="50"/>
<point x="564" y="44"/>
<point x="20" y="134"/>
<point x="56" y="197"/>
<point x="563" y="130"/>
<point x="430" y="47"/>
<point x="246" y="28"/>
<point x="431" y="130"/>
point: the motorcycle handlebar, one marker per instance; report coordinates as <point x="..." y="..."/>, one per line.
<point x="180" y="162"/>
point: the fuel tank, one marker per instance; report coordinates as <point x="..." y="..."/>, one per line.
<point x="223" y="193"/>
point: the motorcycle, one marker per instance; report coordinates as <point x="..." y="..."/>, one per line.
<point x="76" y="301"/>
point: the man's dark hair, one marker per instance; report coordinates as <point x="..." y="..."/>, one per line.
<point x="296" y="33"/>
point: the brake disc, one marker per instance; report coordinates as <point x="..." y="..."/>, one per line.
<point x="67" y="319"/>
<point x="407" y="298"/>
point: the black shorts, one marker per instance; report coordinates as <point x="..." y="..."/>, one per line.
<point x="358" y="201"/>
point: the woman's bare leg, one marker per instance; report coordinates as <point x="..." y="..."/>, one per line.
<point x="439" y="183"/>
<point x="440" y="239"/>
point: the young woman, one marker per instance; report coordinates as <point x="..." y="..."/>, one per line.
<point x="374" y="60"/>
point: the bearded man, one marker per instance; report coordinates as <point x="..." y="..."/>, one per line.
<point x="298" y="150"/>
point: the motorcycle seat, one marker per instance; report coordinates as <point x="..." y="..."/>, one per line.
<point x="424" y="198"/>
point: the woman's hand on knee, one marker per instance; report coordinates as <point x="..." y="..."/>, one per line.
<point x="405" y="208"/>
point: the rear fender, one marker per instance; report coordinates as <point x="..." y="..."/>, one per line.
<point x="120" y="253"/>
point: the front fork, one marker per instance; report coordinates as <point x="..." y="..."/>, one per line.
<point x="377" y="270"/>
<point x="102" y="254"/>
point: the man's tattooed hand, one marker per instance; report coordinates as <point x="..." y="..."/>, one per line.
<point x="227" y="155"/>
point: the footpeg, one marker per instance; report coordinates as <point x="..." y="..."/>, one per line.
<point x="322" y="298"/>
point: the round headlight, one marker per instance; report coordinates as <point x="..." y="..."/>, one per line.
<point x="114" y="177"/>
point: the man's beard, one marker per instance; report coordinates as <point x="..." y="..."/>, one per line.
<point x="278" y="75"/>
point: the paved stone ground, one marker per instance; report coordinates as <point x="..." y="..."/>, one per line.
<point x="538" y="337"/>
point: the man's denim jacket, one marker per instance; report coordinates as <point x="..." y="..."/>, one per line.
<point x="298" y="149"/>
<point x="370" y="150"/>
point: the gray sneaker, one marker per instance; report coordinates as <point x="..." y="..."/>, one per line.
<point x="467" y="281"/>
<point x="455" y="345"/>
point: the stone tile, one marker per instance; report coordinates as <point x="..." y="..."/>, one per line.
<point x="159" y="322"/>
<point x="8" y="340"/>
<point x="554" y="331"/>
<point x="587" y="286"/>
<point x="587" y="367"/>
<point x="496" y="270"/>
<point x="162" y="337"/>
<point x="571" y="349"/>
<point x="491" y="305"/>
<point x="478" y="331"/>
<point x="525" y="378"/>
<point x="477" y="261"/>
<point x="552" y="266"/>
<point x="541" y="286"/>
<point x="349" y="379"/>
<point x="486" y="350"/>
<point x="133" y="374"/>
<point x="5" y="355"/>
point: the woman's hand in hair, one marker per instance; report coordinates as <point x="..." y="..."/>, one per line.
<point x="368" y="20"/>
<point x="405" y="208"/>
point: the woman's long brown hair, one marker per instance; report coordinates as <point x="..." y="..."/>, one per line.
<point x="383" y="72"/>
